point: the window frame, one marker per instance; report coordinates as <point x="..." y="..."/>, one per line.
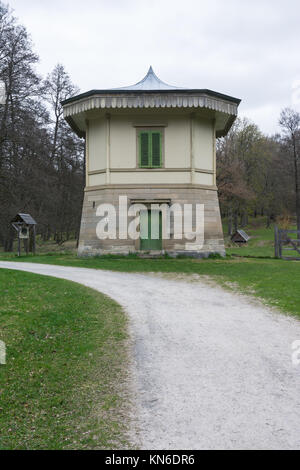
<point x="150" y="131"/>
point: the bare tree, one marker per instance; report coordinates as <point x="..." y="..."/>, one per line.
<point x="41" y="160"/>
<point x="66" y="155"/>
<point x="290" y="124"/>
<point x="58" y="87"/>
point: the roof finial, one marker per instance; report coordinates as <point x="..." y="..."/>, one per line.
<point x="149" y="82"/>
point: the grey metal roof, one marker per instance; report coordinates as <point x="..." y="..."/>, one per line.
<point x="150" y="93"/>
<point x="26" y="218"/>
<point x="149" y="82"/>
<point x="243" y="234"/>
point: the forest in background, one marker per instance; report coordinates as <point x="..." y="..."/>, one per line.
<point x="42" y="160"/>
<point x="258" y="175"/>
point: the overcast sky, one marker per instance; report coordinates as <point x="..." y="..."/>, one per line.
<point x="249" y="49"/>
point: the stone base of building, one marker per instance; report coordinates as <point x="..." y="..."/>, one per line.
<point x="91" y="245"/>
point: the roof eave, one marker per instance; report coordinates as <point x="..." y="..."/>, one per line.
<point x="112" y="99"/>
<point x="229" y="123"/>
<point x="156" y="92"/>
<point x="74" y="127"/>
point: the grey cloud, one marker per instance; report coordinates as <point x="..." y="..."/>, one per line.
<point x="247" y="49"/>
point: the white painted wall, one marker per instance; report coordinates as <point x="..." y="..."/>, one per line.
<point x="178" y="142"/>
<point x="203" y="178"/>
<point x="96" y="144"/>
<point x="177" y="149"/>
<point x="122" y="142"/>
<point x="203" y="143"/>
<point x="97" y="180"/>
<point x="150" y="177"/>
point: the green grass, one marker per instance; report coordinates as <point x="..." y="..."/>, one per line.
<point x="275" y="281"/>
<point x="66" y="351"/>
<point x="252" y="268"/>
<point x="261" y="243"/>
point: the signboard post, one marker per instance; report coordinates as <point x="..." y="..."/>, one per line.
<point x="24" y="224"/>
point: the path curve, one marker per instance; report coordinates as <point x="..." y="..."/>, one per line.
<point x="214" y="370"/>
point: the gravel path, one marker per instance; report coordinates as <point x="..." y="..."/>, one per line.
<point x="213" y="370"/>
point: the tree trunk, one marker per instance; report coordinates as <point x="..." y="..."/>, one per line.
<point x="9" y="244"/>
<point x="244" y="218"/>
<point x="297" y="185"/>
<point x="230" y="222"/>
<point x="235" y="221"/>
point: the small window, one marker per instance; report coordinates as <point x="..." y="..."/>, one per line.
<point x="150" y="149"/>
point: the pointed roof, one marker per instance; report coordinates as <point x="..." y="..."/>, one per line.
<point x="149" y="82"/>
<point x="151" y="93"/>
<point x="26" y="218"/>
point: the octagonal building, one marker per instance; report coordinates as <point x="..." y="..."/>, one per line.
<point x="155" y="144"/>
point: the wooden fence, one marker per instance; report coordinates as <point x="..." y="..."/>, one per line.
<point x="287" y="240"/>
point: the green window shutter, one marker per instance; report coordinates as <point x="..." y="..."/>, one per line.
<point x="156" y="149"/>
<point x="144" y="149"/>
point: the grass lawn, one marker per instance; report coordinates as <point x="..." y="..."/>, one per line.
<point x="275" y="281"/>
<point x="66" y="351"/>
<point x="252" y="268"/>
<point x="67" y="344"/>
<point x="261" y="243"/>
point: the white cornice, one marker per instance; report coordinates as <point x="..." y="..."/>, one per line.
<point x="165" y="100"/>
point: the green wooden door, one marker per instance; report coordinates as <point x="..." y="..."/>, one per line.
<point x="151" y="230"/>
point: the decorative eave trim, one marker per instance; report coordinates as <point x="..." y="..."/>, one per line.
<point x="176" y="91"/>
<point x="154" y="100"/>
